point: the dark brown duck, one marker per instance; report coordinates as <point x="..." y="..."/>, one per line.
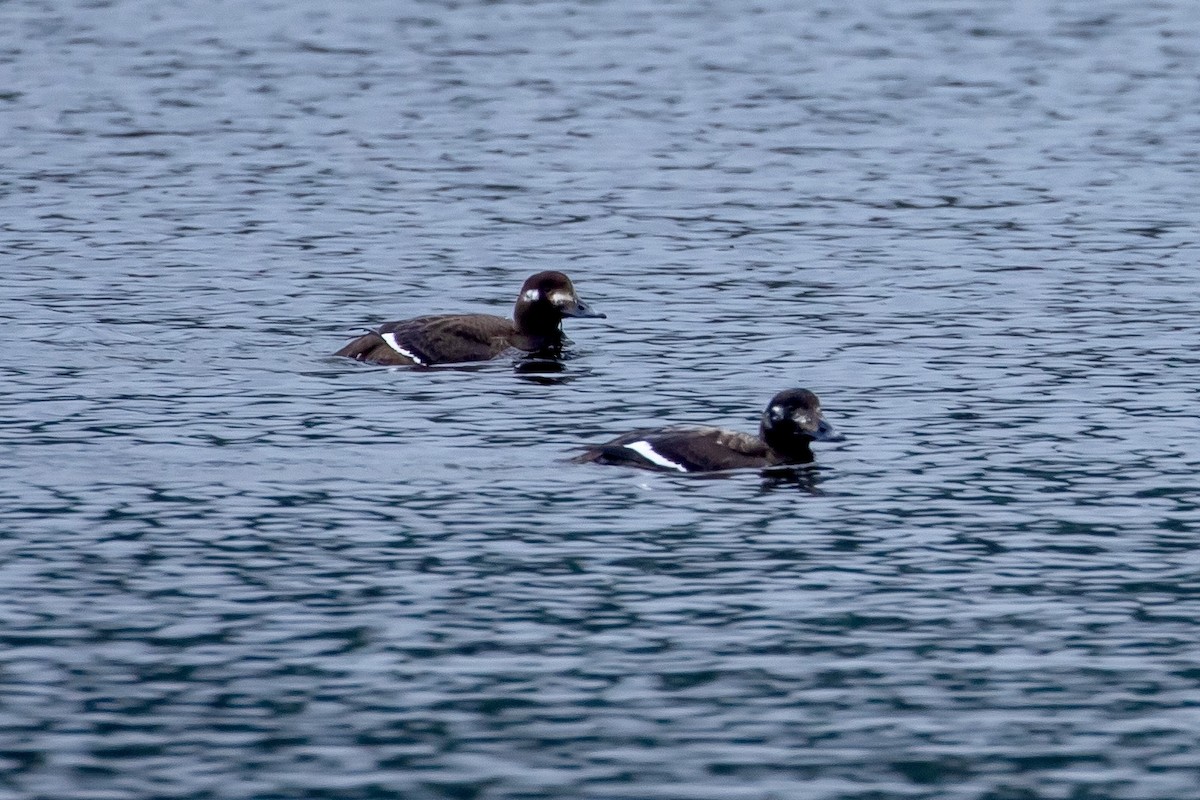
<point x="536" y="326"/>
<point x="791" y="422"/>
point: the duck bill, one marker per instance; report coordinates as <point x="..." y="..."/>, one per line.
<point x="581" y="309"/>
<point x="824" y="432"/>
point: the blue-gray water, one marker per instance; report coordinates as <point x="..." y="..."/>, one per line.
<point x="233" y="567"/>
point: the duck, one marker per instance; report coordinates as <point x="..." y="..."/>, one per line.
<point x="536" y="327"/>
<point x="790" y="423"/>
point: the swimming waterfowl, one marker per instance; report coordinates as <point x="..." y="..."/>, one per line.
<point x="790" y="423"/>
<point x="544" y="300"/>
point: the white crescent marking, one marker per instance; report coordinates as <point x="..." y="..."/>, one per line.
<point x="390" y="338"/>
<point x="646" y="451"/>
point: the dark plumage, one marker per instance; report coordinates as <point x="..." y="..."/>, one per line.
<point x="790" y="423"/>
<point x="536" y="326"/>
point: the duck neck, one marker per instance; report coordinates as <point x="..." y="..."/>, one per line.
<point x="540" y="320"/>
<point x="788" y="444"/>
<point x="538" y="324"/>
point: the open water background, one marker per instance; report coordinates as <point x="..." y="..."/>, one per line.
<point x="232" y="566"/>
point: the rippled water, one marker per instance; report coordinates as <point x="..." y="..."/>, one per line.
<point x="232" y="566"/>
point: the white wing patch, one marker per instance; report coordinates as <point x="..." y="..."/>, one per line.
<point x="646" y="451"/>
<point x="390" y="338"/>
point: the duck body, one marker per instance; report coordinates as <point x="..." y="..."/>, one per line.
<point x="702" y="449"/>
<point x="544" y="300"/>
<point x="434" y="339"/>
<point x="792" y="420"/>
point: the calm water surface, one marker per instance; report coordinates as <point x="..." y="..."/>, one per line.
<point x="234" y="567"/>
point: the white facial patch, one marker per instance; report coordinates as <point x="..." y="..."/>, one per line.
<point x="532" y="295"/>
<point x="561" y="298"/>
<point x="646" y="451"/>
<point x="390" y="338"/>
